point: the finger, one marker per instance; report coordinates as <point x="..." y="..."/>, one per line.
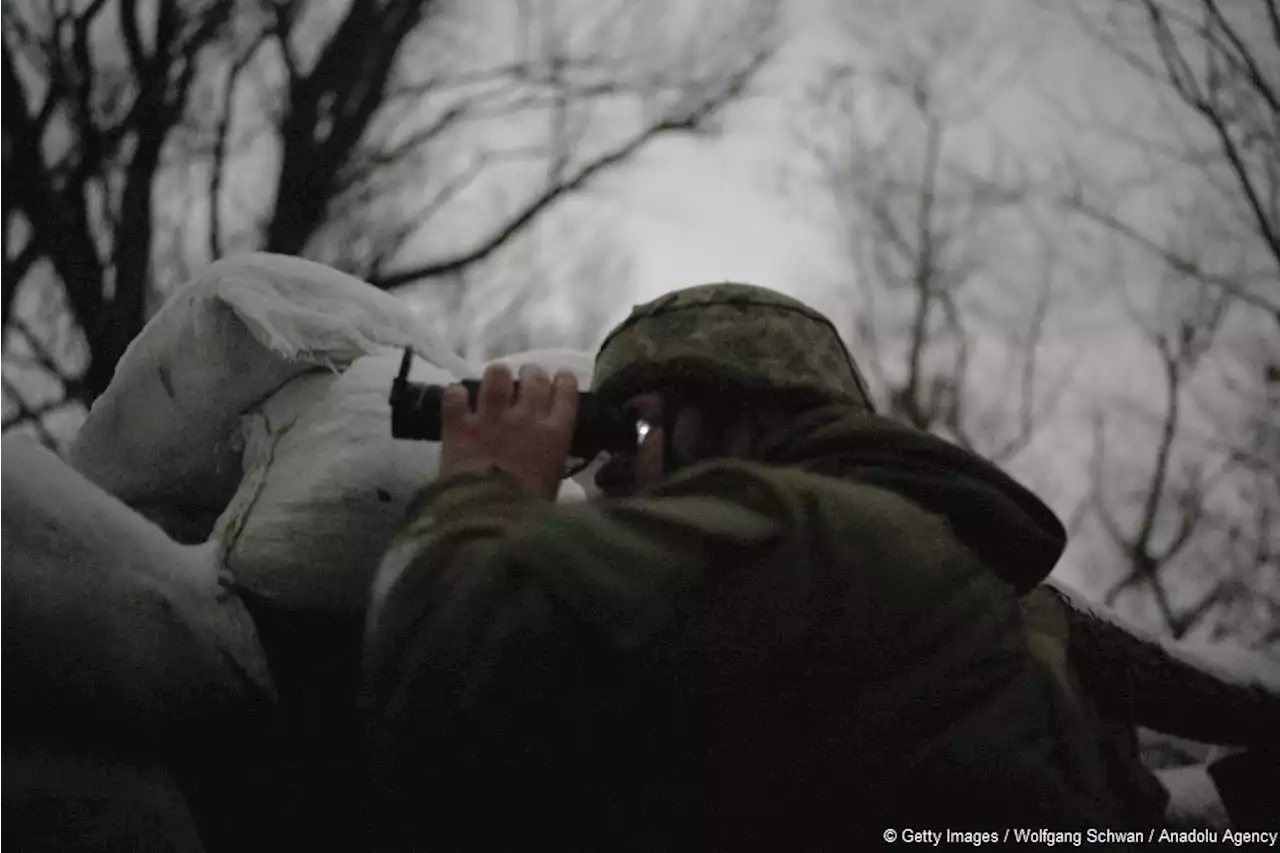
<point x="535" y="391"/>
<point x="564" y="400"/>
<point x="497" y="389"/>
<point x="454" y="407"/>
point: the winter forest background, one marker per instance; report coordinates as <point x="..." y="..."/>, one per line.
<point x="1050" y="229"/>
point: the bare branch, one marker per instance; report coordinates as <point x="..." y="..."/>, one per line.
<point x="1028" y="422"/>
<point x="132" y="37"/>
<point x="41" y="352"/>
<point x="329" y="110"/>
<point x="582" y="177"/>
<point x="221" y="136"/>
<point x="15" y="271"/>
<point x="922" y="217"/>
<point x="1229" y="64"/>
<point x="532" y="209"/>
<point x="27" y="415"/>
<point x="284" y="13"/>
<point x="1235" y="286"/>
<point x="91" y="203"/>
<point x="1243" y="57"/>
<point x="365" y="164"/>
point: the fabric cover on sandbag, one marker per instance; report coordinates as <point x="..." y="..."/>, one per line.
<point x="105" y="617"/>
<point x="325" y="484"/>
<point x="163" y="433"/>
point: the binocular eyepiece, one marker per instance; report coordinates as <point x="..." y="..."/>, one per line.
<point x="415" y="414"/>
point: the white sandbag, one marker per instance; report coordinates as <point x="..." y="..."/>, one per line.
<point x="325" y="485"/>
<point x="108" y="620"/>
<point x="163" y="433"/>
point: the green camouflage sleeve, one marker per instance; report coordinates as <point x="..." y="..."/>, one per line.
<point x="620" y="565"/>
<point x="502" y="607"/>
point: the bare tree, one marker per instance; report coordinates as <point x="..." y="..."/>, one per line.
<point x="83" y="137"/>
<point x="1147" y="548"/>
<point x="1194" y="524"/>
<point x="1218" y="67"/>
<point x="927" y="226"/>
<point x="147" y="138"/>
<point x="1193" y="519"/>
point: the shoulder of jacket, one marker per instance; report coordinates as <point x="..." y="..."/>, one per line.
<point x="817" y="500"/>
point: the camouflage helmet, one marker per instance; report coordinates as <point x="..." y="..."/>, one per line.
<point x="752" y="337"/>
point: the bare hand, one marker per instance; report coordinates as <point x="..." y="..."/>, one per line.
<point x="527" y="438"/>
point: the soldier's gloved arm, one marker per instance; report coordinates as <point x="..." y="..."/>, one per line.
<point x="1165" y="690"/>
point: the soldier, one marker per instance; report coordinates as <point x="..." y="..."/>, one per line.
<point x="789" y="624"/>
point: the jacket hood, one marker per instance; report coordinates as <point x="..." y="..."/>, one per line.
<point x="1006" y="525"/>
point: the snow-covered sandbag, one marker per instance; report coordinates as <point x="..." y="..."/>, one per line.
<point x="109" y="623"/>
<point x="325" y="485"/>
<point x="163" y="432"/>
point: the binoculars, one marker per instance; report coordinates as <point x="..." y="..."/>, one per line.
<point x="415" y="414"/>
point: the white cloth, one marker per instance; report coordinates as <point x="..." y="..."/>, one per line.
<point x="325" y="484"/>
<point x="164" y="431"/>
